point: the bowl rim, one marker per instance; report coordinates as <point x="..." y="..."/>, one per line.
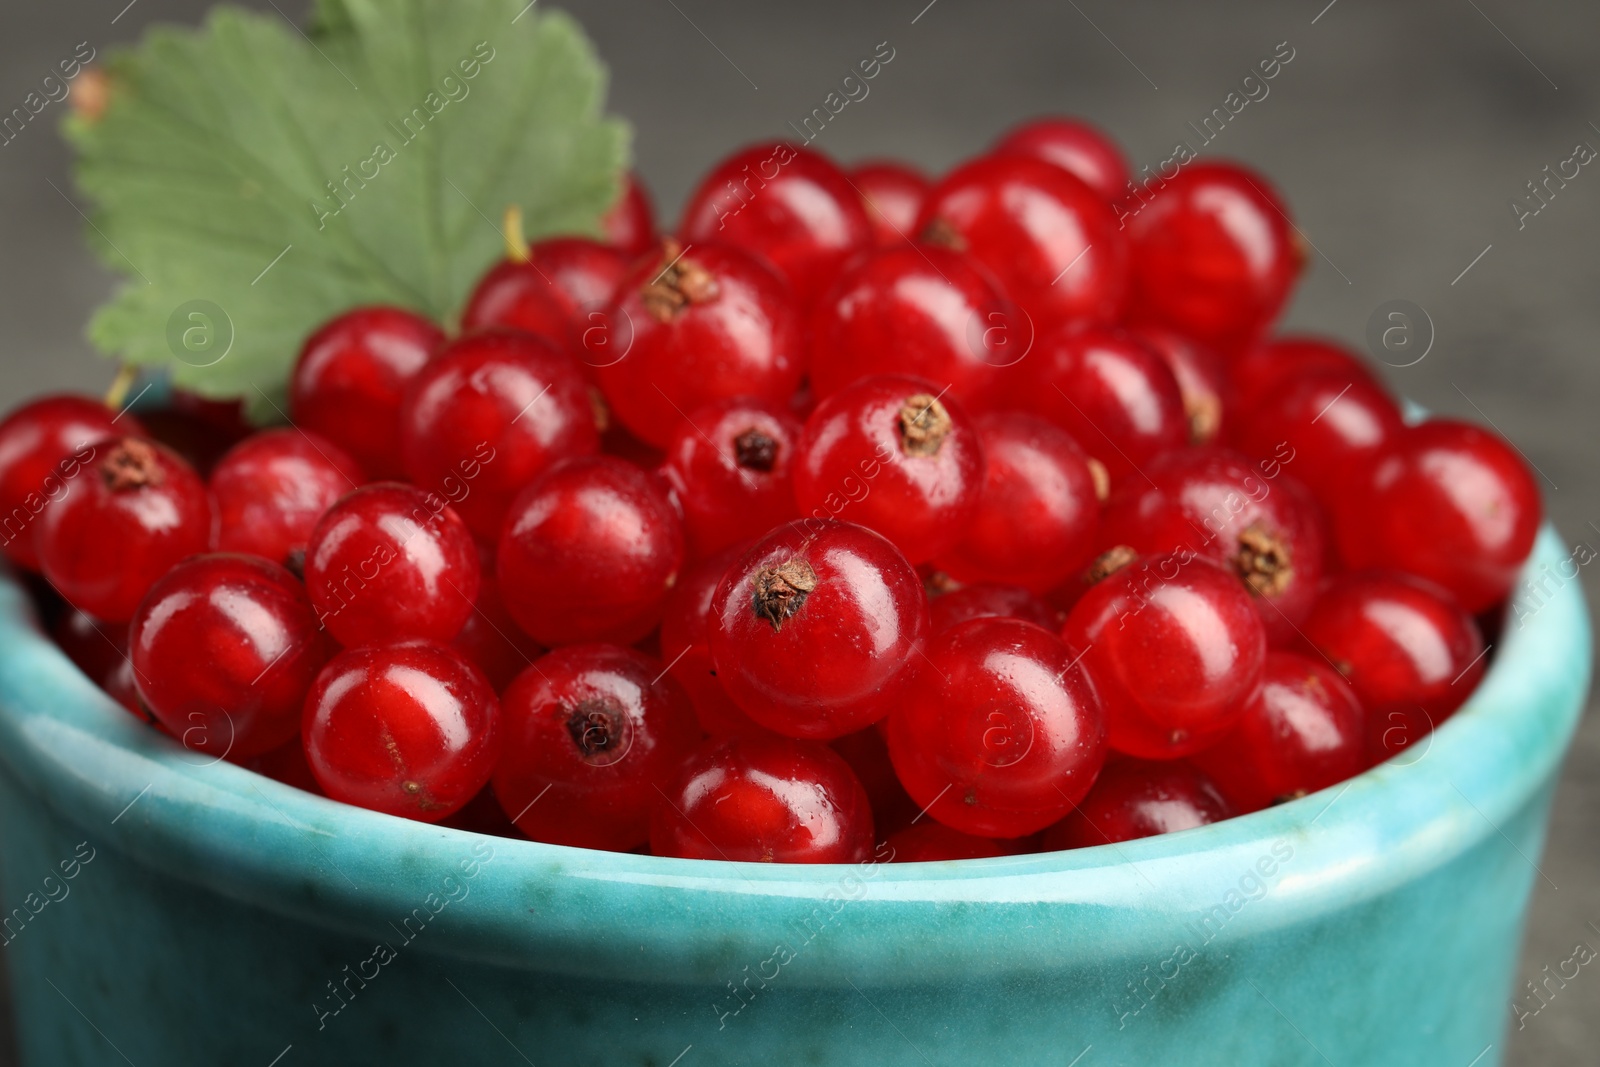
<point x="86" y="760"/>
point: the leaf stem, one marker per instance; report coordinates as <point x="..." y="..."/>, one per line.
<point x="117" y="394"/>
<point x="516" y="240"/>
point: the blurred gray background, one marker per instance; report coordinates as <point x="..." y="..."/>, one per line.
<point x="1398" y="133"/>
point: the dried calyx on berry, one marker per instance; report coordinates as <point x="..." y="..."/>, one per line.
<point x="1109" y="562"/>
<point x="755" y="450"/>
<point x="131" y="464"/>
<point x="941" y="233"/>
<point x="681" y="282"/>
<point x="781" y="591"/>
<point x="598" y="727"/>
<point x="924" y="422"/>
<point x="1262" y="560"/>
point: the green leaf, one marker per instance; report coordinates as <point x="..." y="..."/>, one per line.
<point x="251" y="180"/>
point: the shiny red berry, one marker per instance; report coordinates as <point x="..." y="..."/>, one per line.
<point x="692" y="326"/>
<point x="867" y="753"/>
<point x="224" y="649"/>
<point x="1264" y="371"/>
<point x="893" y="194"/>
<point x="350" y="376"/>
<point x="132" y="513"/>
<point x="686" y="621"/>
<point x="791" y="206"/>
<point x="1203" y="381"/>
<point x="1268" y="531"/>
<point x="44" y="446"/>
<point x="408" y="729"/>
<point x="96" y="648"/>
<point x="1450" y="502"/>
<point x="1139" y="798"/>
<point x="1114" y="394"/>
<point x="1214" y="255"/>
<point x="1002" y="732"/>
<point x="1409" y="651"/>
<point x="391" y="562"/>
<point x="923" y="310"/>
<point x="590" y="735"/>
<point x="731" y="467"/>
<point x="630" y="224"/>
<point x="817" y="628"/>
<point x="886" y="452"/>
<point x="929" y="841"/>
<point x="583" y="274"/>
<point x="983" y="601"/>
<point x="1304" y="730"/>
<point x="588" y="553"/>
<point x="517" y="295"/>
<point x="1075" y="146"/>
<point x="1175" y="646"/>
<point x="764" y="799"/>
<point x="1039" y="512"/>
<point x="490" y="413"/>
<point x="271" y="488"/>
<point x="1326" y="428"/>
<point x="1053" y="241"/>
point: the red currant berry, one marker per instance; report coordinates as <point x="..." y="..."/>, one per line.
<point x="390" y="562"/>
<point x="95" y="648"/>
<point x="1327" y="428"/>
<point x="817" y="628"/>
<point x="929" y="842"/>
<point x="1116" y="396"/>
<point x="490" y="639"/>
<point x="889" y="454"/>
<point x="489" y="414"/>
<point x="791" y="206"/>
<point x="764" y="799"/>
<point x="1175" y="646"/>
<point x="1264" y="371"/>
<point x="1216" y="504"/>
<point x="1053" y="241"/>
<point x="731" y="467"/>
<point x="224" y="650"/>
<point x="1202" y="381"/>
<point x="1450" y="502"/>
<point x="1075" y="146"/>
<point x="1039" y="511"/>
<point x="270" y="489"/>
<point x="630" y="225"/>
<point x="690" y="327"/>
<point x="134" y="511"/>
<point x="583" y="274"/>
<point x="590" y="735"/>
<point x="1002" y="733"/>
<point x="1214" y="255"/>
<point x="1304" y="730"/>
<point x="686" y="644"/>
<point x="924" y="310"/>
<point x="1409" y="651"/>
<point x="893" y="194"/>
<point x="949" y="610"/>
<point x="43" y="446"/>
<point x="1138" y="798"/>
<point x="588" y="553"/>
<point x="867" y="753"/>
<point x="350" y="377"/>
<point x="410" y="729"/>
<point x="517" y="295"/>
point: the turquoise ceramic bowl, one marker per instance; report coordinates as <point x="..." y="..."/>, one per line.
<point x="164" y="913"/>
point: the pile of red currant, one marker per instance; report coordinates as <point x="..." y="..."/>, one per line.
<point x="978" y="515"/>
